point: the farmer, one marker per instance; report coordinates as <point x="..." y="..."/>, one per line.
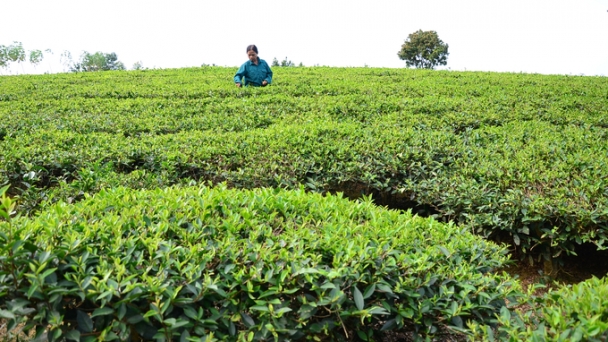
<point x="255" y="71"/>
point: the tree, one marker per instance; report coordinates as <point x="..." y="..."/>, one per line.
<point x="283" y="63"/>
<point x="13" y="53"/>
<point x="286" y="63"/>
<point x="66" y="60"/>
<point x="36" y="57"/>
<point x="97" y="61"/>
<point x="16" y="53"/>
<point x="3" y="56"/>
<point x="49" y="52"/>
<point x="424" y="49"/>
<point x="138" y="65"/>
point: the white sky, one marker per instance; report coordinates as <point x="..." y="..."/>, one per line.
<point x="532" y="36"/>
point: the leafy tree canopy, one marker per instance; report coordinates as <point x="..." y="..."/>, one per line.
<point x="424" y="50"/>
<point x="284" y="63"/>
<point x="97" y="61"/>
<point x="139" y="65"/>
<point x="13" y="53"/>
<point x="36" y="57"/>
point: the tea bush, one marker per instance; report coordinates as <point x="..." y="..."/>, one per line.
<point x="574" y="313"/>
<point x="516" y="157"/>
<point x="194" y="263"/>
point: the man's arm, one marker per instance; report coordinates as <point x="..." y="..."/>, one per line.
<point x="238" y="77"/>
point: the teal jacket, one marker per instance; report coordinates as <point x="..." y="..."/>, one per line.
<point x="251" y="74"/>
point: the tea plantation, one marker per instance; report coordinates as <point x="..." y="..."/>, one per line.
<point x="170" y="205"/>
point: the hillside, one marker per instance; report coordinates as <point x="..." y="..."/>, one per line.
<point x="515" y="158"/>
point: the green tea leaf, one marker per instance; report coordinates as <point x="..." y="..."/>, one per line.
<point x="358" y="297"/>
<point x="73" y="335"/>
<point x="85" y="323"/>
<point x="102" y="312"/>
<point x="249" y="322"/>
<point x="7" y="314"/>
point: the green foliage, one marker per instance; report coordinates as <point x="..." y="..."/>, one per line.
<point x="516" y="157"/>
<point x="35" y="57"/>
<point x="14" y="53"/>
<point x="215" y="263"/>
<point x="138" y="65"/>
<point x="7" y="205"/>
<point x="424" y="49"/>
<point x="573" y="313"/>
<point x="3" y="56"/>
<point x="66" y="60"/>
<point x="97" y="61"/>
<point x="284" y="63"/>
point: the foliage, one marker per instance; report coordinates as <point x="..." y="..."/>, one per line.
<point x="514" y="157"/>
<point x="225" y="264"/>
<point x="284" y="63"/>
<point x="138" y="65"/>
<point x="424" y="49"/>
<point x="4" y="59"/>
<point x="97" y="61"/>
<point x="574" y="313"/>
<point x="35" y="57"/>
<point x="3" y="56"/>
<point x="66" y="60"/>
<point x="14" y="53"/>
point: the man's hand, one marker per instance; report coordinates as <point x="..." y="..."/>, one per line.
<point x="238" y="85"/>
<point x="264" y="83"/>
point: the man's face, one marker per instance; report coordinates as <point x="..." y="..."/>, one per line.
<point x="253" y="57"/>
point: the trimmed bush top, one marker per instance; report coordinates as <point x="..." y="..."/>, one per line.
<point x="217" y="262"/>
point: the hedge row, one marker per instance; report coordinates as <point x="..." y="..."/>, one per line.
<point x="571" y="313"/>
<point x="522" y="180"/>
<point x="514" y="156"/>
<point x="162" y="101"/>
<point x="213" y="263"/>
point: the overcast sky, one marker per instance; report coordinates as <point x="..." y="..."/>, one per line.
<point x="532" y="36"/>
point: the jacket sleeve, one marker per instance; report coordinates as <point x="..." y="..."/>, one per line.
<point x="268" y="74"/>
<point x="238" y="78"/>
